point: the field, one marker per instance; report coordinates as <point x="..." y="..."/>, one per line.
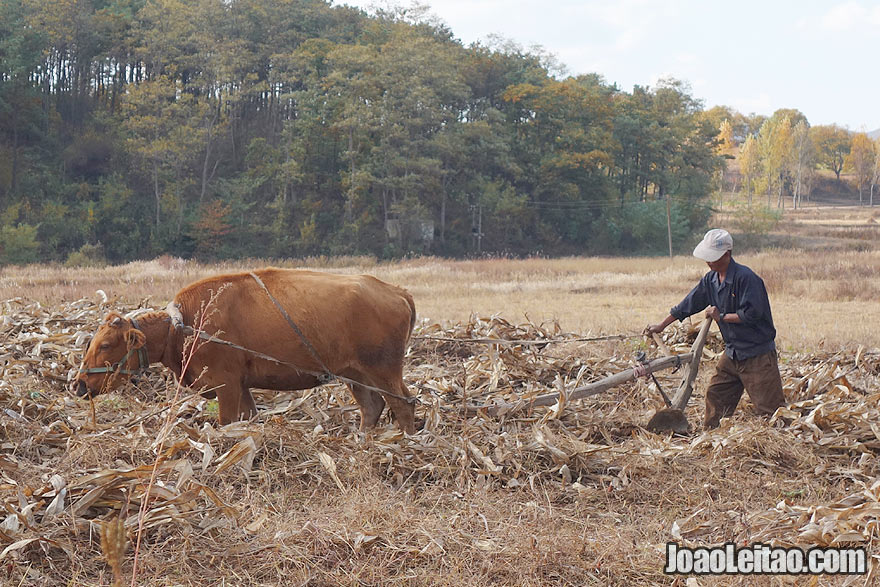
<point x="575" y="494"/>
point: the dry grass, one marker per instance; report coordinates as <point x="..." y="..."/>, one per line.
<point x="581" y="495"/>
<point x="813" y="293"/>
<point x="578" y="496"/>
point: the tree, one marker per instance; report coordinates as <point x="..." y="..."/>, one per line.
<point x="21" y="116"/>
<point x="151" y="125"/>
<point x="832" y="146"/>
<point x="875" y="175"/>
<point x="396" y="98"/>
<point x="752" y="123"/>
<point x="726" y="141"/>
<point x="564" y="141"/>
<point x="19" y="244"/>
<point x="793" y="115"/>
<point x="163" y="123"/>
<point x="861" y="160"/>
<point x="775" y="141"/>
<point x="726" y="148"/>
<point x="211" y="230"/>
<point x="716" y="116"/>
<point x="804" y="160"/>
<point x="749" y="164"/>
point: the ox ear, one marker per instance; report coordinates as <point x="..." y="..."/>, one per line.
<point x="113" y="319"/>
<point x="135" y="339"/>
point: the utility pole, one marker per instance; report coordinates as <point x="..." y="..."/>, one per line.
<point x="477" y="227"/>
<point x="669" y="223"/>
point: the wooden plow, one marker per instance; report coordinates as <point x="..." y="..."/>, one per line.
<point x="672" y="418"/>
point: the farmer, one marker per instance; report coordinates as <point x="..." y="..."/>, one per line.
<point x="734" y="297"/>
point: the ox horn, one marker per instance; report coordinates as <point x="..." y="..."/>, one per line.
<point x="138" y="312"/>
<point x="174" y="313"/>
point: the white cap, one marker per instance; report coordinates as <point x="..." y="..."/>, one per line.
<point x="713" y="246"/>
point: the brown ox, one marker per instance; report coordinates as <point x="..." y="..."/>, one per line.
<point x="357" y="327"/>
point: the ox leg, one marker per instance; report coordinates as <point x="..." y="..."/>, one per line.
<point x="392" y="380"/>
<point x="371" y="405"/>
<point x="247" y="407"/>
<point x="235" y="403"/>
<point x="404" y="411"/>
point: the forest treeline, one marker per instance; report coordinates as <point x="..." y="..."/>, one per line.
<point x="284" y="128"/>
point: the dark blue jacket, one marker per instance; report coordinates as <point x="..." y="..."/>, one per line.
<point x="743" y="293"/>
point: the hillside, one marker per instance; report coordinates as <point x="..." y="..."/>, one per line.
<point x="318" y="129"/>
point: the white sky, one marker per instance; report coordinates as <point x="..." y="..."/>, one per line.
<point x="820" y="57"/>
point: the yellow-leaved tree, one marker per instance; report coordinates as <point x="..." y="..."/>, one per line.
<point x="804" y="161"/>
<point x="726" y="148"/>
<point x="832" y="146"/>
<point x="861" y="161"/>
<point x="875" y="176"/>
<point x="749" y="164"/>
<point x="775" y="141"/>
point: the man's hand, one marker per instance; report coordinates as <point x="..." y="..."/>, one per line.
<point x="654" y="328"/>
<point x="713" y="313"/>
<point x="658" y="328"/>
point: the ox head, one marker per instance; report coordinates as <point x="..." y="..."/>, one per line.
<point x="117" y="350"/>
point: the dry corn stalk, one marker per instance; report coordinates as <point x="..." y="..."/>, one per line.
<point x="114" y="543"/>
<point x="593" y="445"/>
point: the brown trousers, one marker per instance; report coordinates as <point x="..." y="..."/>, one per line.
<point x="758" y="375"/>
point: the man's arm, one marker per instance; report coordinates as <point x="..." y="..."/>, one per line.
<point x="696" y="300"/>
<point x="754" y="304"/>
<point x="660" y="327"/>
<point x="713" y="313"/>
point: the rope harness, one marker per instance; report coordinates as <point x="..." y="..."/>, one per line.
<point x="117" y="367"/>
<point x="324" y="376"/>
<point x="526" y="342"/>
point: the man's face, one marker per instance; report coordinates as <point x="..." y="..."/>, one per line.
<point x="721" y="263"/>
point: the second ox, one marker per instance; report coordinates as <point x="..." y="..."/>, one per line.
<point x="281" y="329"/>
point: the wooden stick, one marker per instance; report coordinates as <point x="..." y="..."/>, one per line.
<point x="660" y="344"/>
<point x="687" y="382"/>
<point x="594" y="388"/>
